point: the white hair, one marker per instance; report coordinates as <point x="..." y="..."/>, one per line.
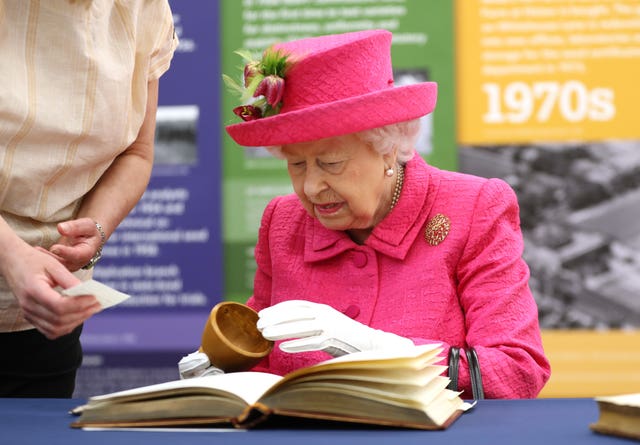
<point x="401" y="136"/>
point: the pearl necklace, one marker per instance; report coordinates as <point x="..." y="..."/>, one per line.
<point x="398" y="187"/>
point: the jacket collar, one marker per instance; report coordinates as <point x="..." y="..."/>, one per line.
<point x="395" y="234"/>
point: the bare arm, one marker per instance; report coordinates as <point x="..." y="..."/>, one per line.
<point x="113" y="197"/>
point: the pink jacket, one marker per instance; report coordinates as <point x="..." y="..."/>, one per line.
<point x="471" y="289"/>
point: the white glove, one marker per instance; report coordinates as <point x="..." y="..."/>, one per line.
<point x="196" y="364"/>
<point x="319" y="327"/>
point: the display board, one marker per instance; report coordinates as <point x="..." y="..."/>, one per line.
<point x="547" y="99"/>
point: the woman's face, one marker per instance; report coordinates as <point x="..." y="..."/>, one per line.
<point x="341" y="181"/>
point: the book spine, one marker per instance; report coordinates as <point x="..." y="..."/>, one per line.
<point x="252" y="416"/>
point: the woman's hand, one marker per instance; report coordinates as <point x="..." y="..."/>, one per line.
<point x="196" y="364"/>
<point x="80" y="240"/>
<point x="319" y="327"/>
<point x="33" y="276"/>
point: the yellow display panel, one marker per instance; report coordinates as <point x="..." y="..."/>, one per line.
<point x="592" y="363"/>
<point x="540" y="70"/>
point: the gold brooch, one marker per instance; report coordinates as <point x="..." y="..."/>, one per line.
<point x="437" y="229"/>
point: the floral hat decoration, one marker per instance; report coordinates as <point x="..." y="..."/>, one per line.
<point x="321" y="87"/>
<point x="263" y="84"/>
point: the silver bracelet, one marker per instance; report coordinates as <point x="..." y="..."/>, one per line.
<point x="92" y="262"/>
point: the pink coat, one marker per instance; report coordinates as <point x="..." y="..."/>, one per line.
<point x="470" y="289"/>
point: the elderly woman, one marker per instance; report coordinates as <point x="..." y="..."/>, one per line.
<point x="376" y="249"/>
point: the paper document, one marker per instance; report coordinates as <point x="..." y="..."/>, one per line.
<point x="106" y="296"/>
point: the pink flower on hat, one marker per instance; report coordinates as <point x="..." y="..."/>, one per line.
<point x="272" y="88"/>
<point x="248" y="112"/>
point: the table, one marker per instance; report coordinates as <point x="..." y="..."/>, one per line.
<point x="518" y="422"/>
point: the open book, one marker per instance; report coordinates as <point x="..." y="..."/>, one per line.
<point x="390" y="388"/>
<point x="619" y="416"/>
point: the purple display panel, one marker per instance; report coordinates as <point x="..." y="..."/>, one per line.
<point x="167" y="252"/>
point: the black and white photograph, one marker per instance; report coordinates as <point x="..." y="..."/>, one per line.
<point x="579" y="209"/>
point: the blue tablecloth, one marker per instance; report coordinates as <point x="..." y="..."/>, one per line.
<point x="513" y="422"/>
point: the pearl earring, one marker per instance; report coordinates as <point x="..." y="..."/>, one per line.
<point x="389" y="172"/>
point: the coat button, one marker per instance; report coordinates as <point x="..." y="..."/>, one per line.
<point x="352" y="311"/>
<point x="359" y="259"/>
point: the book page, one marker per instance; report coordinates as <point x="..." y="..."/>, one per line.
<point x="389" y="354"/>
<point x="414" y="396"/>
<point x="248" y="386"/>
<point x="383" y="375"/>
<point x="416" y="358"/>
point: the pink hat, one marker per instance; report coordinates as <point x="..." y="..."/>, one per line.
<point x="336" y="85"/>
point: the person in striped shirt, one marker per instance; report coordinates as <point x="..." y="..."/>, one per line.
<point x="78" y="99"/>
